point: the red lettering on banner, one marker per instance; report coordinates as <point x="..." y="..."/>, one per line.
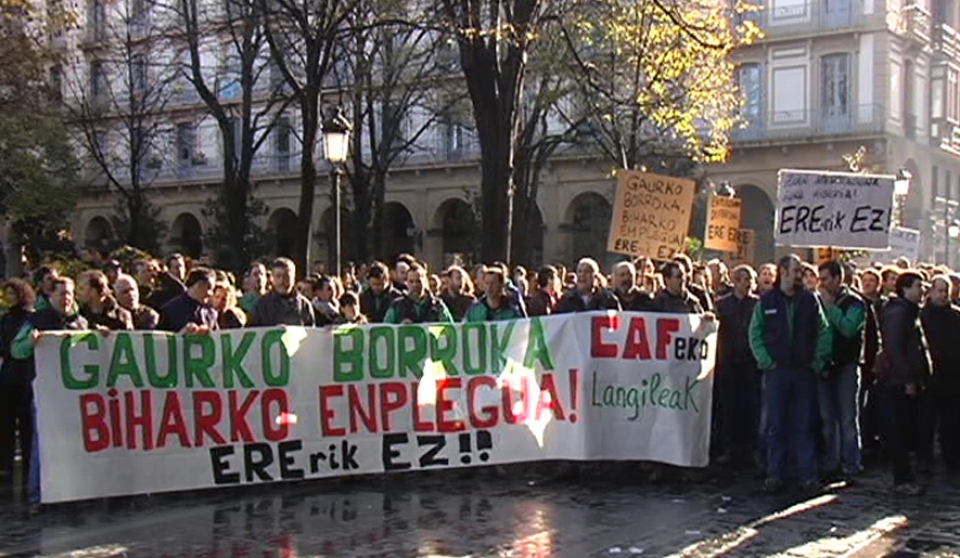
<point x="275" y="431"/>
<point x="326" y="413"/>
<point x="172" y="421"/>
<point x="369" y="416"/>
<point x="239" y="428"/>
<point x="420" y="425"/>
<point x="666" y="327"/>
<point x="113" y="404"/>
<point x="510" y="404"/>
<point x="445" y="406"/>
<point x="638" y="346"/>
<point x="143" y="421"/>
<point x="599" y="349"/>
<point x="93" y="421"/>
<point x="549" y="398"/>
<point x="490" y="412"/>
<point x="206" y="423"/>
<point x="388" y="405"/>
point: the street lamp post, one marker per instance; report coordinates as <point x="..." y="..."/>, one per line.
<point x="336" y="145"/>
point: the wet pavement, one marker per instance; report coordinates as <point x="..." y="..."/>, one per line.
<point x="498" y="513"/>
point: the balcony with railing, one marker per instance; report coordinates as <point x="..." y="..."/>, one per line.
<point x="916" y="23"/>
<point x="805" y="19"/>
<point x="799" y="125"/>
<point x="946" y="41"/>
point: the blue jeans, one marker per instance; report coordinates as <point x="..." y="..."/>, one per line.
<point x="839" y="414"/>
<point x="33" y="475"/>
<point x="791" y="402"/>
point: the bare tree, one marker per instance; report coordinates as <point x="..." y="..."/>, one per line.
<point x="238" y="95"/>
<point x="118" y="107"/>
<point x="495" y="38"/>
<point x="302" y="37"/>
<point x="400" y="81"/>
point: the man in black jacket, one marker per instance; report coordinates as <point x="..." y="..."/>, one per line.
<point x="702" y="296"/>
<point x="737" y="380"/>
<point x="941" y="322"/>
<point x="376" y="298"/>
<point x="588" y="295"/>
<point x="907" y="371"/>
<point x="283" y="305"/>
<point x="631" y="297"/>
<point x="675" y="298"/>
<point x="191" y="311"/>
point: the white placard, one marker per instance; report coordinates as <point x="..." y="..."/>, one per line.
<point x="833" y="209"/>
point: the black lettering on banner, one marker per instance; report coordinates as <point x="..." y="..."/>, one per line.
<point x="287" y="470"/>
<point x="258" y="466"/>
<point x="218" y="458"/>
<point x="345" y="459"/>
<point x="390" y="455"/>
<point x="435" y="443"/>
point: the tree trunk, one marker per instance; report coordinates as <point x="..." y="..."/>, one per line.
<point x="308" y="185"/>
<point x="495" y="186"/>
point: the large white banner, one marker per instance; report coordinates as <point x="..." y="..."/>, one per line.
<point x="134" y="413"/>
<point x="833" y="209"/>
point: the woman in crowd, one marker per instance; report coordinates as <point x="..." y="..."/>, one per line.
<point x="224" y="301"/>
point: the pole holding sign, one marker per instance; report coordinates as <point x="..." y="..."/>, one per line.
<point x="651" y="215"/>
<point x="838" y="209"/>
<point x="723" y="224"/>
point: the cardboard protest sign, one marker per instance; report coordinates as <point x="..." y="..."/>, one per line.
<point x="904" y="243"/>
<point x="147" y="412"/>
<point x="651" y="215"/>
<point x="723" y="224"/>
<point x="745" y="249"/>
<point x="838" y="209"/>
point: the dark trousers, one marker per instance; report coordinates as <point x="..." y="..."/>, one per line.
<point x="950" y="429"/>
<point x="905" y="411"/>
<point x="927" y="419"/>
<point x="739" y="409"/>
<point x="16" y="424"/>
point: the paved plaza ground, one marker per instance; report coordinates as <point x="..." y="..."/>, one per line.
<point x="510" y="512"/>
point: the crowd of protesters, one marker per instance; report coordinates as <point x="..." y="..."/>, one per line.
<point x="820" y="366"/>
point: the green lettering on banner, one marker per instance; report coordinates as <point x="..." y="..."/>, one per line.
<point x="123" y="362"/>
<point x="150" y="356"/>
<point x="282" y="378"/>
<point x="386" y="334"/>
<point x="411" y="357"/>
<point x="499" y="346"/>
<point x="481" y="335"/>
<point x="446" y="354"/>
<point x="537" y="348"/>
<point x="91" y="370"/>
<point x="348" y="363"/>
<point x="233" y="360"/>
<point x="197" y="368"/>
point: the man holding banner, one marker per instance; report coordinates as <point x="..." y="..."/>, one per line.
<point x="790" y="338"/>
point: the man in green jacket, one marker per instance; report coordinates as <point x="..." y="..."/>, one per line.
<point x="497" y="304"/>
<point x="418" y="305"/>
<point x="839" y="383"/>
